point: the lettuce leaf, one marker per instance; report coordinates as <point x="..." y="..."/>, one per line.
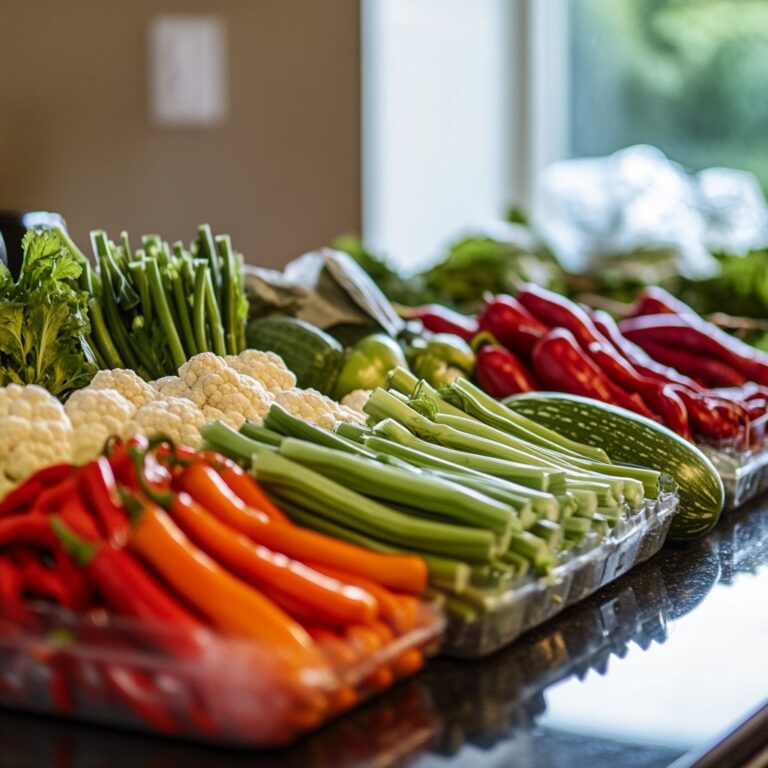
<point x="44" y="319"/>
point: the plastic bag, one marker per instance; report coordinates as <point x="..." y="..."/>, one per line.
<point x="595" y="210"/>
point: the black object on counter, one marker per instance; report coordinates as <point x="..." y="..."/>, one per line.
<point x="13" y="225"/>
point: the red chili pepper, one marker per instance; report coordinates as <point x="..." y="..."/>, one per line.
<point x="118" y="454"/>
<point x="512" y="325"/>
<point x="710" y="371"/>
<point x="499" y="373"/>
<point x="556" y="311"/>
<point x="643" y="364"/>
<point x="21" y="498"/>
<point x="562" y="365"/>
<point x="99" y="490"/>
<point x="42" y="582"/>
<point x="439" y="319"/>
<point x="129" y="589"/>
<point x="662" y="401"/>
<point x="34" y="530"/>
<point x="656" y="301"/>
<point x="698" y="336"/>
<point x="65" y="500"/>
<point x="713" y="417"/>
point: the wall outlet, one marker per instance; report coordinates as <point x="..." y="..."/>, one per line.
<point x="187" y="70"/>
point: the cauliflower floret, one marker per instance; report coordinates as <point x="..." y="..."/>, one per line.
<point x="88" y="441"/>
<point x="315" y="408"/>
<point x="177" y="417"/>
<point x="170" y="386"/>
<point x="99" y="406"/>
<point x="35" y="431"/>
<point x="127" y="382"/>
<point x="27" y="445"/>
<point x="221" y="392"/>
<point x="267" y="368"/>
<point x="356" y="399"/>
<point x="96" y="414"/>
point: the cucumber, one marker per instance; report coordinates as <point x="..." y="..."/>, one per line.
<point x="632" y="439"/>
<point x="313" y="356"/>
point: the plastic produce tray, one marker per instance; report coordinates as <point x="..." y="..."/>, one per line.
<point x="232" y="692"/>
<point x="744" y="473"/>
<point x="590" y="566"/>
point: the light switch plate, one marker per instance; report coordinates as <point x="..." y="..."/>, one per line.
<point x="187" y="70"/>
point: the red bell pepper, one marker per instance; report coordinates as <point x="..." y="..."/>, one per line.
<point x="514" y="327"/>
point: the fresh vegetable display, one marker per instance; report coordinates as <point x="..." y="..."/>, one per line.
<point x="484" y="495"/>
<point x="235" y="530"/>
<point x="189" y="546"/>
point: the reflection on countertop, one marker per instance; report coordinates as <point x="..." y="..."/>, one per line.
<point x="656" y="664"/>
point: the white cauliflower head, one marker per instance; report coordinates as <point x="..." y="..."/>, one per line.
<point x="96" y="415"/>
<point x="176" y="417"/>
<point x="267" y="368"/>
<point x="35" y="432"/>
<point x="221" y="392"/>
<point x="127" y="382"/>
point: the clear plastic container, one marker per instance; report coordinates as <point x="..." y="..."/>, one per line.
<point x="590" y="566"/>
<point x="744" y="473"/>
<point x="205" y="687"/>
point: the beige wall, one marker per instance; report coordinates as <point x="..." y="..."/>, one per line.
<point x="281" y="174"/>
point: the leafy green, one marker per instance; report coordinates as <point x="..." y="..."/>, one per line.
<point x="44" y="319"/>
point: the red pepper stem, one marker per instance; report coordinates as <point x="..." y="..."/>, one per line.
<point x="483" y="338"/>
<point x="138" y="458"/>
<point x="82" y="551"/>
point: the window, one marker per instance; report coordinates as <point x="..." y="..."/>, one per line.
<point x="685" y="75"/>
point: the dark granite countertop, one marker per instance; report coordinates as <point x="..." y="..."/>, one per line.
<point x="655" y="666"/>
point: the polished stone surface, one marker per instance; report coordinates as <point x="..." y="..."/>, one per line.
<point x="655" y="665"/>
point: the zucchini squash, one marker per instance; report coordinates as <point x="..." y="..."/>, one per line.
<point x="631" y="439"/>
<point x="313" y="356"/>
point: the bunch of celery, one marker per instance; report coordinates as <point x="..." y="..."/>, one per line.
<point x="154" y="307"/>
<point x="486" y="496"/>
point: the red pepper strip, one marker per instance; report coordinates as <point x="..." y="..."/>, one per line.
<point x="556" y="311"/>
<point x="98" y="488"/>
<point x="129" y="589"/>
<point x="512" y="325"/>
<point x="39" y="581"/>
<point x="656" y="301"/>
<point x="21" y="498"/>
<point x="439" y="319"/>
<point x="563" y="366"/>
<point x="137" y="690"/>
<point x="643" y="364"/>
<point x="499" y="373"/>
<point x="709" y="370"/>
<point x="698" y="336"/>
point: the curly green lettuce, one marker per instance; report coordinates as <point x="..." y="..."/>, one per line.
<point x="44" y="323"/>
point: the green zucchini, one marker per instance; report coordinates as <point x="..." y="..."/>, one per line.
<point x="313" y="356"/>
<point x="632" y="439"/>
